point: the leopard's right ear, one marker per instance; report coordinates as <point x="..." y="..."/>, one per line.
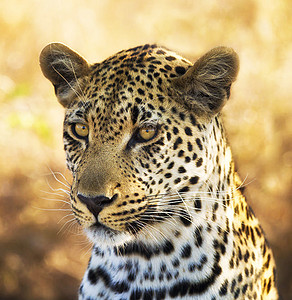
<point x="65" y="69"/>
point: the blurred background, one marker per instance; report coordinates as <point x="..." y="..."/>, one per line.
<point x="43" y="253"/>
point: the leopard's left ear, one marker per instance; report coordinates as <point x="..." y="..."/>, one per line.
<point x="65" y="69"/>
<point x="205" y="87"/>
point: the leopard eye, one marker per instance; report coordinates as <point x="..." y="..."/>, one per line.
<point x="147" y="133"/>
<point x="80" y="130"/>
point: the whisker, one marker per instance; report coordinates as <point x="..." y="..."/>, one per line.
<point x="56" y="200"/>
<point x="69" y="222"/>
<point x="143" y="225"/>
<point x="194" y="194"/>
<point x="243" y="184"/>
<point x="86" y="244"/>
<point x="67" y="184"/>
<point x="56" y="193"/>
<point x="178" y="201"/>
<point x="64" y="217"/>
<point x="171" y="214"/>
<point x="63" y="176"/>
<point x="51" y="209"/>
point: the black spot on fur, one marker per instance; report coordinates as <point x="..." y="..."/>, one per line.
<point x="177" y="143"/>
<point x="194" y="180"/>
<point x="181" y="169"/>
<point x="168" y="247"/>
<point x="198" y="236"/>
<point x="135" y="114"/>
<point x="223" y="289"/>
<point x="186" y="251"/>
<point x="101" y="274"/>
<point x="188" y="131"/>
<point x="136" y="294"/>
<point x="199" y="162"/>
<point x="199" y="143"/>
<point x="180" y="70"/>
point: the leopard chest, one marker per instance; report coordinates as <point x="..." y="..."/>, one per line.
<point x="187" y="266"/>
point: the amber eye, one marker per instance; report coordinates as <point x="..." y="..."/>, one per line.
<point x="147" y="133"/>
<point x="81" y="131"/>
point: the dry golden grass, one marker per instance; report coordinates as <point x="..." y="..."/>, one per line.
<point x="38" y="263"/>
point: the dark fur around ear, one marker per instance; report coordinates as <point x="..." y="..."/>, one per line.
<point x="205" y="87"/>
<point x="65" y="69"/>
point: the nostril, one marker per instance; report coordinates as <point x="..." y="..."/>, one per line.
<point x="114" y="197"/>
<point x="95" y="203"/>
<point x="94" y="200"/>
<point x="102" y="200"/>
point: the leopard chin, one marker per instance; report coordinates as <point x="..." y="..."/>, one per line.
<point x="105" y="236"/>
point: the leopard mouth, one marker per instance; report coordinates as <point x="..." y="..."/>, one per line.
<point x="99" y="229"/>
<point x="104" y="236"/>
<point x="98" y="226"/>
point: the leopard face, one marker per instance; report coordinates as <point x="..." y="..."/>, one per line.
<point x="135" y="134"/>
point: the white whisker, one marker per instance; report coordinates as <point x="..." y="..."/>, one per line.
<point x="67" y="185"/>
<point x="66" y="216"/>
<point x="51" y="209"/>
<point x="56" y="200"/>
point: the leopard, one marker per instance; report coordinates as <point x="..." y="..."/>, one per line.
<point x="154" y="184"/>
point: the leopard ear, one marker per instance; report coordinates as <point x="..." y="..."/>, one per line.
<point x="205" y="87"/>
<point x="65" y="69"/>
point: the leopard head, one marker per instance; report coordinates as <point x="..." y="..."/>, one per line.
<point x="136" y="134"/>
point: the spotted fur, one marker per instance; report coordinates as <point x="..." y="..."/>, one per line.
<point x="166" y="214"/>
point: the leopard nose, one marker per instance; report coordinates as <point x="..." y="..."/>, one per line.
<point x="95" y="203"/>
